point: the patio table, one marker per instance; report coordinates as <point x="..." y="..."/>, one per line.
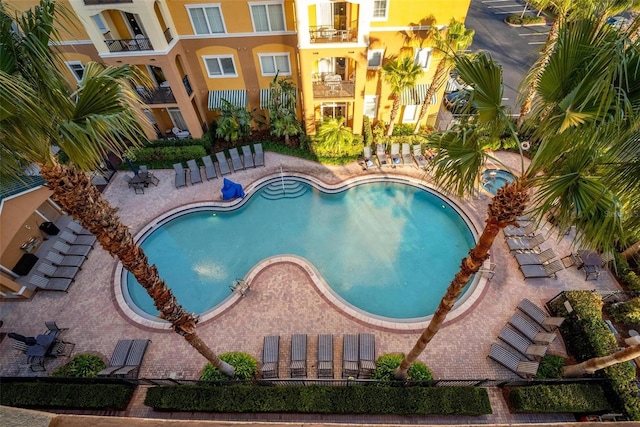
<point x="42" y="347"/>
<point x="590" y="258"/>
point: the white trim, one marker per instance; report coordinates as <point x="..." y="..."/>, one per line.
<point x="69" y="65"/>
<point x="205" y="6"/>
<point x="273" y="56"/>
<point x="416" y="53"/>
<point x="370" y="98"/>
<point x="218" y="57"/>
<point x="266" y="4"/>
<point x="372" y="51"/>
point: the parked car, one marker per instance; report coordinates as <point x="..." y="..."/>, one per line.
<point x="458" y="102"/>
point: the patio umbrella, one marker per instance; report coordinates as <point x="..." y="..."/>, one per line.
<point x="133" y="168"/>
<point x="22" y="338"/>
<point x="231" y="190"/>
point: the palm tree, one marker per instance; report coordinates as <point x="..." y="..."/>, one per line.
<point x="401" y="73"/>
<point x="592" y="365"/>
<point x="591" y="78"/>
<point x="457" y="38"/>
<point x="334" y="134"/>
<point x="100" y="115"/>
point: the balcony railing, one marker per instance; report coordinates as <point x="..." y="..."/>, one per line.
<point x="129" y="45"/>
<point x="157" y="95"/>
<point x="94" y="2"/>
<point x="345" y="89"/>
<point x="187" y="85"/>
<point x="331" y="35"/>
<point x="167" y="35"/>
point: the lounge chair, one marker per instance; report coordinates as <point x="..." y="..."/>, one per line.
<point x="259" y="156"/>
<point x="73" y="239"/>
<point x="539" y="315"/>
<point x="530" y="258"/>
<point x="534" y="271"/>
<point x="209" y="168"/>
<point x="270" y="356"/>
<point x="65" y="260"/>
<point x="367" y="355"/>
<point x="223" y="164"/>
<point x="382" y="155"/>
<point x="349" y="356"/>
<point x="396" y="160"/>
<point x="418" y="157"/>
<point x="511" y="361"/>
<point x="20" y="346"/>
<point x="118" y="358"/>
<point x="531" y="331"/>
<point x="298" y="366"/>
<point x="181" y="175"/>
<point x="235" y="159"/>
<point x="325" y="356"/>
<point x="407" y="160"/>
<point x="76" y="228"/>
<point x="369" y="161"/>
<point x="525" y="243"/>
<point x="527" y="230"/>
<point x="520" y="343"/>
<point x="138" y="187"/>
<point x="150" y="177"/>
<point x="134" y="359"/>
<point x="50" y="284"/>
<point x="64" y="249"/>
<point x="194" y="171"/>
<point x="51" y="271"/>
<point x="247" y="157"/>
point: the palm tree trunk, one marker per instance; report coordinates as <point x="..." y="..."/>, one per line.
<point x="435" y="85"/>
<point x="631" y="251"/>
<point x="394" y="113"/>
<point x="505" y="207"/>
<point x="72" y="188"/>
<point x="597" y="363"/>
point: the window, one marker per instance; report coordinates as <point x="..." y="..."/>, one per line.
<point x="77" y="69"/>
<point x="410" y="114"/>
<point x="422" y="57"/>
<point x="100" y="24"/>
<point x="374" y="58"/>
<point x="275" y="63"/>
<point x="380" y="8"/>
<point x="267" y="17"/>
<point x="207" y="19"/>
<point x="220" y="66"/>
<point x="370" y="106"/>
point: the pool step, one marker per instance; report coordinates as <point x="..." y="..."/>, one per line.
<point x="286" y="190"/>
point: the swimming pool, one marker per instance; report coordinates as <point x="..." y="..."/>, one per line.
<point x="494" y="179"/>
<point x="388" y="248"/>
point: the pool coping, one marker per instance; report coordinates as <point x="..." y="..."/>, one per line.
<point x="461" y="307"/>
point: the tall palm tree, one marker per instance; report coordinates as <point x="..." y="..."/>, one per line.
<point x="401" y="73"/>
<point x="595" y="364"/>
<point x="101" y="115"/>
<point x="456" y="39"/>
<point x="588" y="105"/>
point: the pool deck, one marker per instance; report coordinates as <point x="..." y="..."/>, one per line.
<point x="282" y="301"/>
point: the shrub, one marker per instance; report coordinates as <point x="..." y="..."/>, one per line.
<point x="525" y="20"/>
<point x="387" y="364"/>
<point x="244" y="364"/>
<point x="550" y="366"/>
<point x="379" y="133"/>
<point x="367" y="133"/>
<point x="81" y="366"/>
<point x="403" y="130"/>
<point x="626" y="312"/>
<point x="165" y="157"/>
<point x="70" y="396"/>
<point x="559" y="398"/>
<point x="632" y="281"/>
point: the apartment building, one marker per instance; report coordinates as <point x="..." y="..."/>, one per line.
<point x="197" y="53"/>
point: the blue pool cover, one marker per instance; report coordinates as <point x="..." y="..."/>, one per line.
<point x="231" y="190"/>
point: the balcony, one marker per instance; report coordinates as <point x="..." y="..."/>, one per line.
<point x="158" y="95"/>
<point x="167" y="35"/>
<point x="338" y="89"/>
<point x="187" y="85"/>
<point x="129" y="45"/>
<point x="331" y="35"/>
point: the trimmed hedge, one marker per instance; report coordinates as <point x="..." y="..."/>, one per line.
<point x="164" y="157"/>
<point x="68" y="396"/>
<point x="322" y="400"/>
<point x="559" y="398"/>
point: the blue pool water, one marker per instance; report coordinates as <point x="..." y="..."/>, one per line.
<point x="389" y="249"/>
<point x="494" y="179"/>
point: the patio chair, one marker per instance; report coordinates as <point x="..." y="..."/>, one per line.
<point x="247" y="157"/>
<point x="62" y="348"/>
<point x="259" y="155"/>
<point x="20" y="346"/>
<point x="530" y="258"/>
<point x="133" y="362"/>
<point x="537" y="271"/>
<point x="73" y="239"/>
<point x="525" y="243"/>
<point x="369" y="162"/>
<point x="520" y="343"/>
<point x="418" y="157"/>
<point x="53" y="328"/>
<point x="50" y="284"/>
<point x="298" y="366"/>
<point x="181" y="175"/>
<point x="51" y="271"/>
<point x="349" y="356"/>
<point x="78" y="250"/>
<point x="76" y="228"/>
<point x="223" y="164"/>
<point x="539" y="315"/>
<point x="235" y="159"/>
<point x="532" y="332"/>
<point x="118" y="358"/>
<point x="64" y="260"/>
<point x="194" y="171"/>
<point x="151" y="178"/>
<point x="270" y="356"/>
<point x="511" y="361"/>
<point x="396" y="160"/>
<point x="138" y="187"/>
<point x="407" y="160"/>
<point x="209" y="168"/>
<point x="381" y="154"/>
<point x="514" y="231"/>
<point x="367" y="355"/>
<point x="325" y="356"/>
<point x="182" y="134"/>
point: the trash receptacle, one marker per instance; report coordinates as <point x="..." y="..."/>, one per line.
<point x="49" y="228"/>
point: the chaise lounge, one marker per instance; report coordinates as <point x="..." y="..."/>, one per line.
<point x="194" y="171"/>
<point x="534" y="271"/>
<point x="520" y="343"/>
<point x="298" y="366"/>
<point x="531" y="331"/>
<point x="539" y="316"/>
<point x="270" y="356"/>
<point x="511" y="361"/>
<point x="133" y="362"/>
<point x="259" y="156"/>
<point x="77" y="239"/>
<point x="325" y="356"/>
<point x="532" y="258"/>
<point x="118" y="358"/>
<point x="367" y="355"/>
<point x="349" y="356"/>
<point x="181" y="175"/>
<point x="50" y="284"/>
<point x="235" y="159"/>
<point x="520" y="244"/>
<point x="209" y="168"/>
<point x="247" y="157"/>
<point x="223" y="164"/>
<point x="65" y="249"/>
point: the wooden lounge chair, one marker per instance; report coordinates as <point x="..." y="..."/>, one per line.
<point x="298" y="366"/>
<point x="270" y="356"/>
<point x="513" y="231"/>
<point x="73" y="239"/>
<point x="209" y="168"/>
<point x="65" y="249"/>
<point x="539" y="315"/>
<point x="235" y="159"/>
<point x="538" y="270"/>
<point x="349" y="356"/>
<point x="419" y="157"/>
<point x="520" y="343"/>
<point x="532" y="258"/>
<point x="134" y="359"/>
<point x="50" y="284"/>
<point x="396" y="160"/>
<point x="181" y="175"/>
<point x="50" y="271"/>
<point x="76" y="228"/>
<point x="194" y="171"/>
<point x="60" y="260"/>
<point x="511" y="361"/>
<point x="523" y="244"/>
<point x="247" y="157"/>
<point x="118" y="358"/>
<point x="223" y="164"/>
<point x="259" y="155"/>
<point x="531" y="331"/>
<point x="325" y="356"/>
<point x="381" y="154"/>
<point x="407" y="160"/>
<point x="367" y="355"/>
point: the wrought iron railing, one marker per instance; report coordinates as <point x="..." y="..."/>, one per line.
<point x="158" y="95"/>
<point x="128" y="45"/>
<point x="167" y="35"/>
<point x="343" y="89"/>
<point x="331" y="35"/>
<point x="187" y="85"/>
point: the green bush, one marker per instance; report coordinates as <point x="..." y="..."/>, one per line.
<point x="69" y="396"/>
<point x="559" y="398"/>
<point x="244" y="364"/>
<point x="321" y="399"/>
<point x="626" y="312"/>
<point x="403" y="130"/>
<point x="81" y="366"/>
<point x="525" y="20"/>
<point x="204" y="142"/>
<point x="550" y="366"/>
<point x="164" y="157"/>
<point x="367" y="133"/>
<point x="387" y="364"/>
<point x="632" y="281"/>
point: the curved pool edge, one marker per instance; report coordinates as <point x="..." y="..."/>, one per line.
<point x="470" y="297"/>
